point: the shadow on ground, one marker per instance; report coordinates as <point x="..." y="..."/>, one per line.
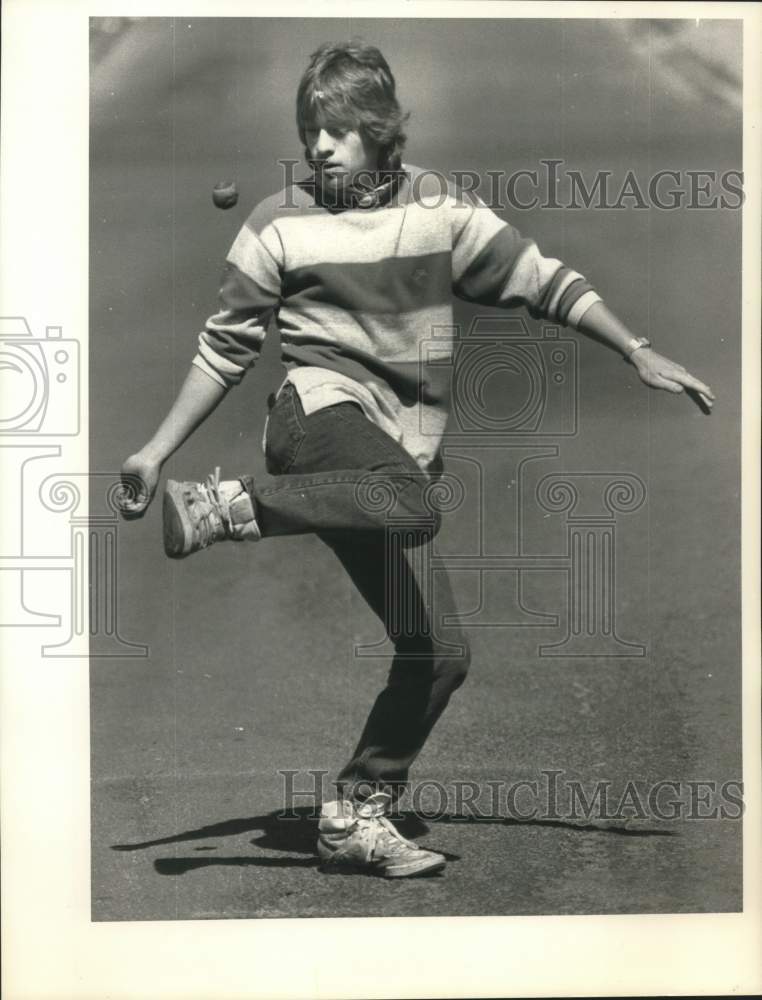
<point x="295" y="832"/>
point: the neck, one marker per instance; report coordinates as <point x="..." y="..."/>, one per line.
<point x="369" y="191"/>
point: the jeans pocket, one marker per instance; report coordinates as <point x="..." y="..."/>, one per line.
<point x="285" y="433"/>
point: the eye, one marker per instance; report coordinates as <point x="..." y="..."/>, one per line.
<point x="335" y="132"/>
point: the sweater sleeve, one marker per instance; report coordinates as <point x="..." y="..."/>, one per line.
<point x="250" y="294"/>
<point x="494" y="265"/>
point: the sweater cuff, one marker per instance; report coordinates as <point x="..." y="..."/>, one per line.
<point x="207" y="369"/>
<point x="580" y="307"/>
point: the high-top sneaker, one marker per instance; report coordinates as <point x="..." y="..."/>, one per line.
<point x="196" y="515"/>
<point x="358" y="836"/>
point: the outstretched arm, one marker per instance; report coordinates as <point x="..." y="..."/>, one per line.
<point x="655" y="370"/>
<point x="495" y="265"/>
<point x="199" y="396"/>
<point x="229" y="344"/>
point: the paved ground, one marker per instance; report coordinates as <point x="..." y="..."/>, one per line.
<point x="251" y="667"/>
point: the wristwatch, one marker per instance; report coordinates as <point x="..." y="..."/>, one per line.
<point x="635" y="344"/>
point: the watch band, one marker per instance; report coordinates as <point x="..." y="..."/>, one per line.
<point x="635" y="344"/>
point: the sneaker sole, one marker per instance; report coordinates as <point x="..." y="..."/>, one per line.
<point x="421" y="868"/>
<point x="426" y="866"/>
<point x="178" y="533"/>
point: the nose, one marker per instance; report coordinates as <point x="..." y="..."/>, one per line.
<point x="324" y="144"/>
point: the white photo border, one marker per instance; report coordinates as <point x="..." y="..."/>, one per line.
<point x="51" y="948"/>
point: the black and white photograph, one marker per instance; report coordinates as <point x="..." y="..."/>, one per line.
<point x="405" y="561"/>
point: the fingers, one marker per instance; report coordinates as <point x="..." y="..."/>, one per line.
<point x="702" y="401"/>
<point x="695" y="388"/>
<point x="130" y="509"/>
<point x="665" y="374"/>
<point x="691" y="382"/>
<point x="669" y="385"/>
<point x="132" y="513"/>
<point x="133" y="497"/>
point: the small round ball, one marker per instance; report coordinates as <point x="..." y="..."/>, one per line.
<point x="225" y="194"/>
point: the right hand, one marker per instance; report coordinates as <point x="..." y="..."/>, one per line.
<point x="661" y="373"/>
<point x="140" y="477"/>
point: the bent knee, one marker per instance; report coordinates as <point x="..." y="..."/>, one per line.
<point x="424" y="520"/>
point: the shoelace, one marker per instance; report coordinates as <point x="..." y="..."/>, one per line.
<point x="218" y="512"/>
<point x="370" y="816"/>
<point x="390" y="832"/>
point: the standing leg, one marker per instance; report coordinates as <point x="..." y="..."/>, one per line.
<point x="389" y="565"/>
<point x="431" y="659"/>
<point x="322" y="463"/>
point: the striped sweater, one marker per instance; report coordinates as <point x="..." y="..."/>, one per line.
<point x="363" y="298"/>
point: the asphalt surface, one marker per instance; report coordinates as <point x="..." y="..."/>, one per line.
<point x="251" y="667"/>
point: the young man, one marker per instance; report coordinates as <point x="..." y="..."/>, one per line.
<point x="359" y="264"/>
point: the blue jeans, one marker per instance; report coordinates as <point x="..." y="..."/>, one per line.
<point x="343" y="478"/>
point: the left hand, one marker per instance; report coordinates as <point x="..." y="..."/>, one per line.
<point x="661" y="373"/>
<point x="140" y="477"/>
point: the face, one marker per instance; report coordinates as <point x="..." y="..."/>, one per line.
<point x="340" y="155"/>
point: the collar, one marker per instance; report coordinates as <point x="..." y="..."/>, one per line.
<point x="358" y="196"/>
